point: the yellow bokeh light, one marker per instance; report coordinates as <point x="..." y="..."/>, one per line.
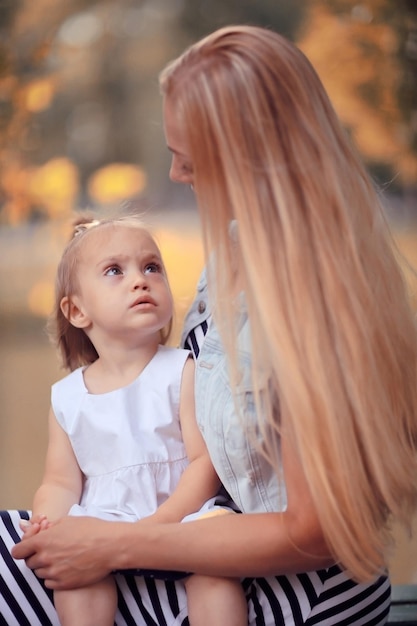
<point x="116" y="182"/>
<point x="41" y="298"/>
<point x="55" y="186"/>
<point x="39" y="95"/>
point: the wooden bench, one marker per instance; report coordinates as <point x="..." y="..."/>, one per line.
<point x="403" y="610"/>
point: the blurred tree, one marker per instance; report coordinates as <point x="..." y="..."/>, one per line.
<point x="200" y="17"/>
<point x="78" y="83"/>
<point x="79" y="89"/>
<point x="27" y="88"/>
<point x="366" y="54"/>
<point x="408" y="53"/>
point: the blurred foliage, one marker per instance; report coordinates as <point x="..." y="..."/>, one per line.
<point x="80" y="113"/>
<point x="200" y="17"/>
<point x="366" y="55"/>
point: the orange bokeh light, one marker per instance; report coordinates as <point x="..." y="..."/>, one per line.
<point x="116" y="182"/>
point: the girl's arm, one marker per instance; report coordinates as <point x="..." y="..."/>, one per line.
<point x="199" y="482"/>
<point x="62" y="479"/>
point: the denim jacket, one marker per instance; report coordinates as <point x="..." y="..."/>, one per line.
<point x="244" y="472"/>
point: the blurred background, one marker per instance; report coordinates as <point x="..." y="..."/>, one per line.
<point x="81" y="128"/>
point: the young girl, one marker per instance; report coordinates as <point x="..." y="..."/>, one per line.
<point x="123" y="441"/>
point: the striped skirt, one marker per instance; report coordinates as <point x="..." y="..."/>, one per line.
<point x="326" y="597"/>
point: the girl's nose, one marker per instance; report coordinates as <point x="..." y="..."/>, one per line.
<point x="140" y="282"/>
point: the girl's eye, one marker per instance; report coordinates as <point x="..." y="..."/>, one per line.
<point x="113" y="271"/>
<point x="152" y="268"/>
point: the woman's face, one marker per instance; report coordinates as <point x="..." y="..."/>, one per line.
<point x="181" y="166"/>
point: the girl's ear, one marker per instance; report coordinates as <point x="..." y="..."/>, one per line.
<point x="74" y="313"/>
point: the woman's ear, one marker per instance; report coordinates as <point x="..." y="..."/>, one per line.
<point x="74" y="313"/>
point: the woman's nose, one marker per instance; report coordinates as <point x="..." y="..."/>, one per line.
<point x="174" y="173"/>
<point x="178" y="175"/>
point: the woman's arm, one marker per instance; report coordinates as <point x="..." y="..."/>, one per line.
<point x="199" y="482"/>
<point x="62" y="480"/>
<point x="242" y="545"/>
<point x="79" y="551"/>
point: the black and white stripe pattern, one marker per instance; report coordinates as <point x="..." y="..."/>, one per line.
<point x="195" y="338"/>
<point x="325" y="597"/>
<point x="25" y="601"/>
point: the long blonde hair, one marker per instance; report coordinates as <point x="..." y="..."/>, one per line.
<point x="332" y="328"/>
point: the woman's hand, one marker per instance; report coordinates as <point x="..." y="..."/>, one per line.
<point x="72" y="553"/>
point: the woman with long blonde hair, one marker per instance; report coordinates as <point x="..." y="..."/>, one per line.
<point x="306" y="379"/>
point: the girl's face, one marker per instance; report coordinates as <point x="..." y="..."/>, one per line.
<point x="123" y="289"/>
<point x="181" y="166"/>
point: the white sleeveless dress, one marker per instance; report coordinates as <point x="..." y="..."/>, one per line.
<point x="127" y="442"/>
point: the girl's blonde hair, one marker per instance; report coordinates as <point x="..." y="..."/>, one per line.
<point x="332" y="330"/>
<point x="74" y="345"/>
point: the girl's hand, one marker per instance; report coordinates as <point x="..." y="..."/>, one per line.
<point x="75" y="552"/>
<point x="32" y="527"/>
